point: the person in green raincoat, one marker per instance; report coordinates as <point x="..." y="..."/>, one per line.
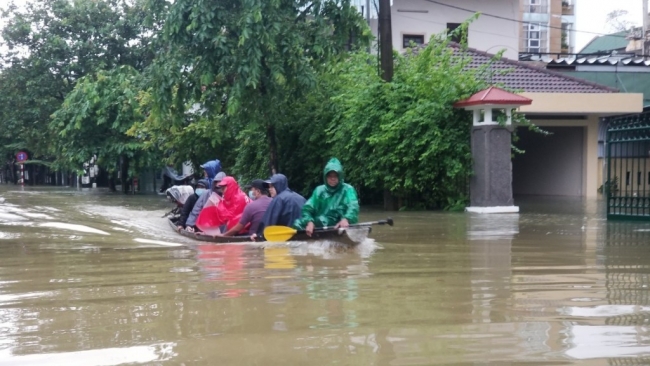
<point x="334" y="203"/>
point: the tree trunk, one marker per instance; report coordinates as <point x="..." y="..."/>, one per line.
<point x="390" y="201"/>
<point x="273" y="148"/>
<point x="12" y="172"/>
<point x="124" y="172"/>
<point x="111" y="181"/>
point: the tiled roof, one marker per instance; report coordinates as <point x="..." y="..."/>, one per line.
<point x="607" y="43"/>
<point x="519" y="76"/>
<point x="493" y="95"/>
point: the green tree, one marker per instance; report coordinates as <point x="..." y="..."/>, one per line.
<point x="247" y="60"/>
<point x="95" y="118"/>
<point x="406" y="136"/>
<point x="51" y="45"/>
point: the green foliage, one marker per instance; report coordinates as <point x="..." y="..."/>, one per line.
<point x="95" y="118"/>
<point x="249" y="58"/>
<point x="457" y="204"/>
<point x="262" y="85"/>
<point x="609" y="187"/>
<point x="405" y="136"/>
<point x="50" y="46"/>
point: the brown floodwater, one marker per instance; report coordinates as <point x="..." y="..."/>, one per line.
<point x="93" y="278"/>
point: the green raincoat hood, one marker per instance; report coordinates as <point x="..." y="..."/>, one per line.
<point x="334" y="165"/>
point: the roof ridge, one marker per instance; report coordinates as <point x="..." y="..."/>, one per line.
<point x="530" y="67"/>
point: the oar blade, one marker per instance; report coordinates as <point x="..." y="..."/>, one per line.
<point x="278" y="233"/>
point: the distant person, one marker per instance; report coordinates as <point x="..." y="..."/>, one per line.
<point x="211" y="169"/>
<point x="254" y="211"/>
<point x="213" y="196"/>
<point x="201" y="189"/>
<point x="228" y="211"/>
<point x="285" y="207"/>
<point x="334" y="203"/>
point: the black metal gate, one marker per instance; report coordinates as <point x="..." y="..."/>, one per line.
<point x="627" y="187"/>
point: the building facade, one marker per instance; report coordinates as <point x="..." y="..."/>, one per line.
<point x="416" y="21"/>
<point x="547" y="26"/>
<point x="515" y="26"/>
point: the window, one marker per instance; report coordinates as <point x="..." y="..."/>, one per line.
<point x="452" y="27"/>
<point x="537" y="6"/>
<point x="534" y="37"/>
<point x="408" y="38"/>
<point x="627" y="178"/>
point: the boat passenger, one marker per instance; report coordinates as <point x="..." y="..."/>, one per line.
<point x="214" y="196"/>
<point x="285" y="207"/>
<point x="254" y="211"/>
<point x="228" y="211"/>
<point x="201" y="189"/>
<point x="178" y="195"/>
<point x="334" y="203"/>
<point x="211" y="169"/>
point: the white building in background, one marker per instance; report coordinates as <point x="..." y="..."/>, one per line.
<point x="516" y="26"/>
<point x="417" y="20"/>
<point x="548" y="26"/>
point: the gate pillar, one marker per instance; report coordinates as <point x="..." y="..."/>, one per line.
<point x="491" y="182"/>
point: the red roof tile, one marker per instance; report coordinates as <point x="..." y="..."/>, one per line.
<point x="493" y="95"/>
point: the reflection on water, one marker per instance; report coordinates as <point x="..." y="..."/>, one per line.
<point x="87" y="277"/>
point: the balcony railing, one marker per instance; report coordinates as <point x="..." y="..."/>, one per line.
<point x="536" y="8"/>
<point x="567" y="8"/>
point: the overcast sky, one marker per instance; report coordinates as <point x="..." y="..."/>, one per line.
<point x="590" y="16"/>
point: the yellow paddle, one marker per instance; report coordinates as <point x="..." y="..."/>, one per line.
<point x="279" y="233"/>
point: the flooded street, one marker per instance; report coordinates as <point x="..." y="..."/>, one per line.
<point x="92" y="278"/>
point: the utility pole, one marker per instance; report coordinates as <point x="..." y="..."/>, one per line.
<point x="385" y="40"/>
<point x="386" y="63"/>
<point x="368" y="12"/>
<point x="644" y="47"/>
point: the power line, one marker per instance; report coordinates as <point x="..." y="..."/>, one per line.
<point x="519" y="21"/>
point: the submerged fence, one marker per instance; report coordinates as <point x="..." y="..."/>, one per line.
<point x="628" y="167"/>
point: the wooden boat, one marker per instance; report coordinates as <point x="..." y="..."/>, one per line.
<point x="350" y="237"/>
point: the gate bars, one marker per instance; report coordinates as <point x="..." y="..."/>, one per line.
<point x="627" y="188"/>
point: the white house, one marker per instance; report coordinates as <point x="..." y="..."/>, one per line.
<point x="417" y="20"/>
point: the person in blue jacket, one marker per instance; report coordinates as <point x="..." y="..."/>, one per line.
<point x="285" y="207"/>
<point x="202" y="200"/>
<point x="210" y="169"/>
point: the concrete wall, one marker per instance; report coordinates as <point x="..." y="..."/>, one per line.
<point x="555" y="32"/>
<point x="418" y="17"/>
<point x="558" y="153"/>
<point x="584" y="103"/>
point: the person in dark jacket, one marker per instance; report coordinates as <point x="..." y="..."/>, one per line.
<point x="201" y="189"/>
<point x="284" y="209"/>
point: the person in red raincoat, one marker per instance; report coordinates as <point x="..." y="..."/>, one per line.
<point x="228" y="211"/>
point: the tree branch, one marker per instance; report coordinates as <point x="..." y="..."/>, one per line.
<point x="304" y="12"/>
